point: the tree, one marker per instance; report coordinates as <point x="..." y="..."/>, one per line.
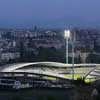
<point x="93" y="58"/>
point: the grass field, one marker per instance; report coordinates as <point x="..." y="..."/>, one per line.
<point x="76" y="76"/>
<point x="80" y="73"/>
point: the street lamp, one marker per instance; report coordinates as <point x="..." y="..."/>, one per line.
<point x="67" y="36"/>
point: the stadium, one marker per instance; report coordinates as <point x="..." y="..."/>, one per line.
<point x="45" y="74"/>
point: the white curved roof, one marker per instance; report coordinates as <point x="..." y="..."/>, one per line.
<point x="9" y="68"/>
<point x="20" y="68"/>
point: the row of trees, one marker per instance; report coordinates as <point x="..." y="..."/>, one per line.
<point x="51" y="54"/>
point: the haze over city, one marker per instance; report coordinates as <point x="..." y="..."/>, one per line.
<point x="49" y="13"/>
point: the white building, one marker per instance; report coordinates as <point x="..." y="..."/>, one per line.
<point x="8" y="55"/>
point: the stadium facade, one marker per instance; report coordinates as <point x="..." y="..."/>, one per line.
<point x="43" y="74"/>
<point x="37" y="75"/>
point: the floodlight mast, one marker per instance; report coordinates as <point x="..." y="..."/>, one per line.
<point x="67" y="36"/>
<point x="73" y="54"/>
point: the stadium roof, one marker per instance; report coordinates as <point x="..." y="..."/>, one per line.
<point x="21" y="68"/>
<point x="17" y="66"/>
<point x="13" y="67"/>
<point x="27" y="67"/>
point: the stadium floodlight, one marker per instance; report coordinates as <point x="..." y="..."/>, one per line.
<point x="67" y="33"/>
<point x="67" y="36"/>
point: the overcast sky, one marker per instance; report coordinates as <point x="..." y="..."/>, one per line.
<point x="53" y="13"/>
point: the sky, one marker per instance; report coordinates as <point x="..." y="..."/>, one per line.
<point x="49" y="13"/>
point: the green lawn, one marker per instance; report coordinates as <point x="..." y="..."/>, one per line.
<point x="76" y="76"/>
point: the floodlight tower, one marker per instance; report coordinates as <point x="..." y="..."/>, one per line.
<point x="67" y="36"/>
